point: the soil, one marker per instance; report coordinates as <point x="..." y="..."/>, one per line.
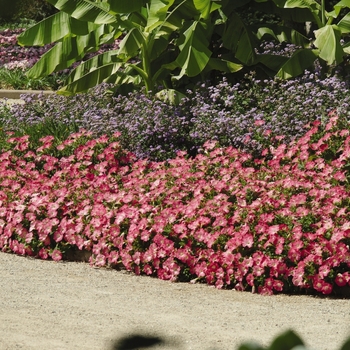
<point x="71" y="305"/>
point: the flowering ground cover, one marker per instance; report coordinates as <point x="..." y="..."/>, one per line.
<point x="277" y="223"/>
<point x="250" y="115"/>
<point x="263" y="207"/>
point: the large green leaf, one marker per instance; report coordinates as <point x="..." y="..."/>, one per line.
<point x="338" y="7"/>
<point x="70" y="50"/>
<point x="124" y="76"/>
<point x="91" y="64"/>
<point x="168" y="27"/>
<point x="203" y="6"/>
<point x="344" y="24"/>
<point x="85" y="10"/>
<point x="295" y="65"/>
<point x="311" y="4"/>
<point x="282" y="34"/>
<point x="59" y="57"/>
<point x="299" y="10"/>
<point x="132" y="43"/>
<point x="186" y="10"/>
<point x="158" y="11"/>
<point x="223" y="65"/>
<point x="300" y="15"/>
<point x="159" y="46"/>
<point x="272" y="62"/>
<point x="346" y="48"/>
<point x="286" y="341"/>
<point x="125" y="6"/>
<point x="239" y="39"/>
<point x="194" y="53"/>
<point x="328" y="43"/>
<point x="42" y="33"/>
<point x="166" y="20"/>
<point x="91" y="79"/>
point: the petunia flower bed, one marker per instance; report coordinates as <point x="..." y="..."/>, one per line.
<point x="278" y="223"/>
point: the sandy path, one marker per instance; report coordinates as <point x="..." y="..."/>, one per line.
<point x="68" y="305"/>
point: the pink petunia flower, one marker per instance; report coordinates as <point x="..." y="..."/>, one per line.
<point x="43" y="253"/>
<point x="56" y="255"/>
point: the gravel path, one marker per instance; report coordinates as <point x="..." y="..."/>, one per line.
<point x="70" y="305"/>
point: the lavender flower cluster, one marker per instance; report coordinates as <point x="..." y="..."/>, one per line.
<point x="276" y="48"/>
<point x="250" y="115"/>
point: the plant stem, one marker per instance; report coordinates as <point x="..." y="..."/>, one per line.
<point x="323" y="10"/>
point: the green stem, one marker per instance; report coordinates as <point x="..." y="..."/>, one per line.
<point x="144" y="76"/>
<point x="323" y="12"/>
<point x="146" y="65"/>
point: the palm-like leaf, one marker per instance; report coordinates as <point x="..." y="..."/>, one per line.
<point x="70" y="49"/>
<point x="239" y="39"/>
<point x="92" y="78"/>
<point x="84" y="10"/>
<point x="175" y="38"/>
<point x="194" y="53"/>
<point x="42" y="33"/>
<point x="203" y="6"/>
<point x="92" y="64"/>
<point x="328" y="43"/>
<point x="282" y="34"/>
<point x="295" y="65"/>
<point x="338" y="7"/>
<point x="344" y="24"/>
<point x="158" y="11"/>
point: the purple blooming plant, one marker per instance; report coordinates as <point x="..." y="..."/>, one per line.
<point x="253" y="113"/>
<point x="250" y="115"/>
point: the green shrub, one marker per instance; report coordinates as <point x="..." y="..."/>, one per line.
<point x="36" y="9"/>
<point x="14" y="10"/>
<point x="9" y="9"/>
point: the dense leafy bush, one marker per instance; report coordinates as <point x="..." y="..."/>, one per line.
<point x="175" y="42"/>
<point x="251" y="114"/>
<point x="35" y="9"/>
<point x="9" y="9"/>
<point x="163" y="42"/>
<point x="15" y="10"/>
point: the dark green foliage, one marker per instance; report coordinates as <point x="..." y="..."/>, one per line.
<point x="15" y="10"/>
<point x="286" y="341"/>
<point x="9" y="9"/>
